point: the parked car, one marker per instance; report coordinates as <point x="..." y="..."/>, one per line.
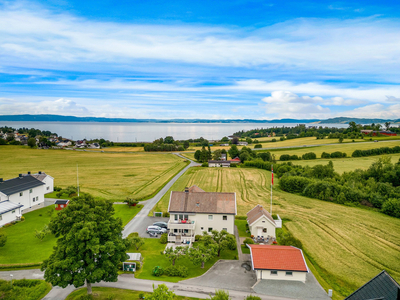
<point x="161" y="224"/>
<point x="155" y="229"/>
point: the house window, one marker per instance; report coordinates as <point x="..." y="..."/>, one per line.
<point x="185" y="230"/>
<point x="176" y="217"/>
<point x="210" y="229"/>
<point x="48" y="188"/>
<point x="226" y="229"/>
<point x="30" y="191"/>
<point x="175" y="230"/>
<point x="274" y="272"/>
<point x="202" y="228"/>
<point x="289" y="273"/>
<point x="210" y="217"/>
<point x="265" y="230"/>
<point x="33" y="199"/>
<point x="20" y="194"/>
<point x="1" y="217"/>
<point x="263" y="221"/>
<point x="13" y="212"/>
<point x="37" y="198"/>
<point x="224" y="218"/>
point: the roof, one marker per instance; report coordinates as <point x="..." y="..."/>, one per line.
<point x="19" y="184"/>
<point x="382" y="286"/>
<point x="258" y="212"/>
<point x="41" y="177"/>
<point x="286" y="258"/>
<point x="134" y="256"/>
<point x="7" y="206"/>
<point x="236" y="159"/>
<point x="195" y="201"/>
<point x="60" y="201"/>
<point x="220" y="161"/>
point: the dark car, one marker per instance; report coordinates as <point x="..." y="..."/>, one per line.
<point x="161" y="224"/>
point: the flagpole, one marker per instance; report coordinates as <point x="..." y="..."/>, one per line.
<point x="272" y="183"/>
<point x="77" y="178"/>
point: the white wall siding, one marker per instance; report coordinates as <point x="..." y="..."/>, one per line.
<point x="27" y="198"/>
<point x="49" y="184"/>
<point x="217" y="222"/>
<point x="8" y="217"/>
<point x="262" y="223"/>
<point x="281" y="275"/>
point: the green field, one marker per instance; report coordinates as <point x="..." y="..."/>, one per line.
<point x="23" y="247"/>
<point x="110" y="176"/>
<point x="348" y="245"/>
<point x="152" y="257"/>
<point x="346" y="164"/>
<point x="24" y="289"/>
<point x="104" y="293"/>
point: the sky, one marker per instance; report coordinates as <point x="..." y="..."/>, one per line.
<point x="201" y="59"/>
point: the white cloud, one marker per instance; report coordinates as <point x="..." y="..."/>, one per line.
<point x="374" y="111"/>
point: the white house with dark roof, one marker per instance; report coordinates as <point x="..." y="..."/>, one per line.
<point x="46" y="179"/>
<point x="194" y="211"/>
<point x="9" y="212"/>
<point x="26" y="191"/>
<point x="261" y="222"/>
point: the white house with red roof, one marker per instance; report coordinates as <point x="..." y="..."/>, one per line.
<point x="278" y="262"/>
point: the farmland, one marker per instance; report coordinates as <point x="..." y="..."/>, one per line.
<point x="348" y="245"/>
<point x="110" y="176"/>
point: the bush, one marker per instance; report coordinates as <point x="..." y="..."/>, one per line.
<point x="294" y="184"/>
<point x="157" y="271"/>
<point x="325" y="155"/>
<point x="248" y="241"/>
<point x="166" y="214"/>
<point x="309" y="155"/>
<point x="251" y="297"/>
<point x="294" y="157"/>
<point x="176" y="271"/>
<point x="57" y="188"/>
<point x="284" y="157"/>
<point x="164" y="238"/>
<point x="392" y="207"/>
<point x="197" y="237"/>
<point x="233" y="165"/>
<point x="257" y="146"/>
<point x="204" y="164"/>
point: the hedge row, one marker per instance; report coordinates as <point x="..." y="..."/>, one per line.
<point x="376" y="151"/>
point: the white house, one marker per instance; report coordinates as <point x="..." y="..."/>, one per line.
<point x="243" y="143"/>
<point x="278" y="262"/>
<point x="261" y="222"/>
<point x="194" y="211"/>
<point x="46" y="179"/>
<point x="9" y="212"/>
<point x="25" y="190"/>
<point x="219" y="163"/>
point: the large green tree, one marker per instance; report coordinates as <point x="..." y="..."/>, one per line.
<point x="89" y="246"/>
<point x="174" y="254"/>
<point x="200" y="255"/>
<point x="221" y="239"/>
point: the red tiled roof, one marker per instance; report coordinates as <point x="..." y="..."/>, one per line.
<point x="287" y="258"/>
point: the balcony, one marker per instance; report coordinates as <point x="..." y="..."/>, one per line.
<point x="189" y="224"/>
<point x="181" y="238"/>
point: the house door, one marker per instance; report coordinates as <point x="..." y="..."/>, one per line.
<point x="259" y="231"/>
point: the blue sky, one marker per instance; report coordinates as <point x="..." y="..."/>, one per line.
<point x="200" y="59"/>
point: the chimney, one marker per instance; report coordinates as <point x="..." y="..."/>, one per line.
<point x="40" y="172"/>
<point x="186" y="190"/>
<point x="20" y="176"/>
<point x="29" y="173"/>
<point x="1" y="180"/>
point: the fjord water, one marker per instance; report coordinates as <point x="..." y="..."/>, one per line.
<point x="147" y="132"/>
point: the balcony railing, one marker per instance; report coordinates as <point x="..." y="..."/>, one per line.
<point x="189" y="224"/>
<point x="181" y="238"/>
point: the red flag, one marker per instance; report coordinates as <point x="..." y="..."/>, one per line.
<point x="272" y="177"/>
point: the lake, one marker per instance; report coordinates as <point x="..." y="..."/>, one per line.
<point x="146" y="132"/>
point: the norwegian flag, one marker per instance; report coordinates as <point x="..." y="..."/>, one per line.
<point x="272" y="177"/>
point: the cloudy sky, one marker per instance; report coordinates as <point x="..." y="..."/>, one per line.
<point x="200" y="59"/>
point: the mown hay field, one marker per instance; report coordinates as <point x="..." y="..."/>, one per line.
<point x="110" y="176"/>
<point x="348" y="245"/>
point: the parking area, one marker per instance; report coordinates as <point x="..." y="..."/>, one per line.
<point x="147" y="221"/>
<point x="226" y="274"/>
<point x="310" y="290"/>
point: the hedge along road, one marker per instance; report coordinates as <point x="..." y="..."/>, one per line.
<point x="139" y="220"/>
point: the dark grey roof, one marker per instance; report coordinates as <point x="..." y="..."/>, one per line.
<point x="382" y="286"/>
<point x="59" y="201"/>
<point x="220" y="161"/>
<point x="19" y="184"/>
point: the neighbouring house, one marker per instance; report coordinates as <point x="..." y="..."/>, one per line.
<point x="278" y="262"/>
<point x="219" y="163"/>
<point x="130" y="264"/>
<point x="382" y="286"/>
<point x="223" y="156"/>
<point x="261" y="222"/>
<point x="375" y="133"/>
<point x="236" y="160"/>
<point x="194" y="211"/>
<point x="9" y="212"/>
<point x="224" y="144"/>
<point x="94" y="146"/>
<point x="46" y="179"/>
<point x="243" y="143"/>
<point x="61" y="204"/>
<point x="25" y="190"/>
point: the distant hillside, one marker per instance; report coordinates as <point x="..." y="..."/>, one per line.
<point x="57" y="118"/>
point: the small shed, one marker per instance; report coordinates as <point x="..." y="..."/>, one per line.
<point x="130" y="264"/>
<point x="236" y="160"/>
<point x="60" y="204"/>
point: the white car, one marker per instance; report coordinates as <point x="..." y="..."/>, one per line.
<point x="156" y="229"/>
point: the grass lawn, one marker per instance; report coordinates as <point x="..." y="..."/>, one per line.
<point x="110" y="176"/>
<point x="23" y="247"/>
<point x="241" y="225"/>
<point x="24" y="289"/>
<point x="105" y="293"/>
<point x="151" y="252"/>
<point x="348" y="245"/>
<point x="245" y="249"/>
